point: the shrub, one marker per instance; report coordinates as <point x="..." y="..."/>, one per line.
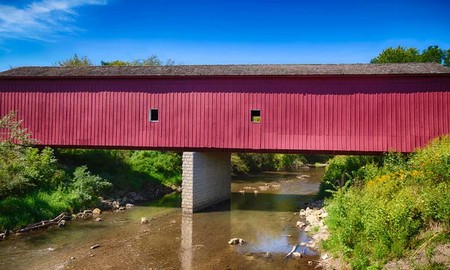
<point x="382" y="218"/>
<point x="238" y="166"/>
<point x="244" y="163"/>
<point x="85" y="188"/>
<point x="22" y="167"/>
<point x="347" y="170"/>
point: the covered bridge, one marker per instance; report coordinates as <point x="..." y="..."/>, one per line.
<point x="209" y="111"/>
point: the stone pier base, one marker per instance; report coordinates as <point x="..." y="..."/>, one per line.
<point x="206" y="179"/>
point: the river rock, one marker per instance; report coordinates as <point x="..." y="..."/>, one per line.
<point x="62" y="223"/>
<point x="300" y="224"/>
<point x="115" y="205"/>
<point x="96" y="211"/>
<point x="144" y="220"/>
<point x="87" y="214"/>
<point x="129" y="205"/>
<point x="302" y="212"/>
<point x="296" y="255"/>
<point x="313" y="219"/>
<point x="98" y="219"/>
<point x="235" y="241"/>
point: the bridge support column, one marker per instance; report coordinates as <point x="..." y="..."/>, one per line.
<point x="206" y="179"/>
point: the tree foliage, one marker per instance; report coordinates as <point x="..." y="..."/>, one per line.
<point x="432" y="54"/>
<point x="11" y="130"/>
<point x="75" y="61"/>
<point x="152" y="60"/>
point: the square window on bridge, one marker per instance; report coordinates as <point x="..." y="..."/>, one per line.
<point x="153" y="115"/>
<point x="255" y="116"/>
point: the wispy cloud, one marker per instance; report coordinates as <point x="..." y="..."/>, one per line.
<point x="41" y="20"/>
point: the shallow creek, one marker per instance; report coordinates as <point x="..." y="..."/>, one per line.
<point x="263" y="211"/>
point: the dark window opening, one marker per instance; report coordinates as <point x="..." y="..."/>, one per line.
<point x="154" y="115"/>
<point x="255" y="116"/>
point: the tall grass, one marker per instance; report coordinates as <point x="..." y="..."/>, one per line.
<point x="381" y="218"/>
<point x="20" y="211"/>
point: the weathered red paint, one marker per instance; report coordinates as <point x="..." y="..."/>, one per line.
<point x="298" y="114"/>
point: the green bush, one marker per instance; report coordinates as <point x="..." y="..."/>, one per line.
<point x="288" y="162"/>
<point x="381" y="218"/>
<point x="244" y="163"/>
<point x="346" y="170"/>
<point x="25" y="168"/>
<point x="238" y="165"/>
<point x="85" y="188"/>
<point x="33" y="187"/>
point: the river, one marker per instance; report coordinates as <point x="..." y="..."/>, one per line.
<point x="263" y="211"/>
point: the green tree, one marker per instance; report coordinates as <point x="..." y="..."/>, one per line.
<point x="152" y="60"/>
<point x="447" y="58"/>
<point x="115" y="63"/>
<point x="432" y="54"/>
<point x="75" y="61"/>
<point x="397" y="55"/>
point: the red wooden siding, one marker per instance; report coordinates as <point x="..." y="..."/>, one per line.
<point x="297" y="114"/>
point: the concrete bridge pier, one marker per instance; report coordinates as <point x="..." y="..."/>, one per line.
<point x="206" y="180"/>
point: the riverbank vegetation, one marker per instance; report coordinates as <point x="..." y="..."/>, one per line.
<point x="32" y="184"/>
<point x="247" y="163"/>
<point x="127" y="170"/>
<point x="37" y="184"/>
<point x="391" y="209"/>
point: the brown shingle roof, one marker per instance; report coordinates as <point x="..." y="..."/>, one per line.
<point x="228" y="70"/>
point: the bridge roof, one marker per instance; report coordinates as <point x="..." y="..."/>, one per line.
<point x="228" y="70"/>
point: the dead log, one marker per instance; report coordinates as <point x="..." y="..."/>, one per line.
<point x="43" y="224"/>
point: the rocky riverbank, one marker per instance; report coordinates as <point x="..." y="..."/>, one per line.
<point x="150" y="192"/>
<point x="312" y="222"/>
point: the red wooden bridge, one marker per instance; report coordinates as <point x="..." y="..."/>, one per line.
<point x="231" y="108"/>
<point x="260" y="108"/>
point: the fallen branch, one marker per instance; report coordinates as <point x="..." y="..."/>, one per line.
<point x="43" y="224"/>
<point x="292" y="251"/>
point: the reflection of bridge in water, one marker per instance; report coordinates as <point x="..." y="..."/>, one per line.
<point x="265" y="220"/>
<point x="209" y="111"/>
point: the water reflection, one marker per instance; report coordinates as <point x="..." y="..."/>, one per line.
<point x="204" y="235"/>
<point x="265" y="220"/>
<point x="186" y="242"/>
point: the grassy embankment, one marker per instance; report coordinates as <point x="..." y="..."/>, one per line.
<point x="389" y="209"/>
<point x="35" y="185"/>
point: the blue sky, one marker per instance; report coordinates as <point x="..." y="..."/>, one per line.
<point x="42" y="32"/>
